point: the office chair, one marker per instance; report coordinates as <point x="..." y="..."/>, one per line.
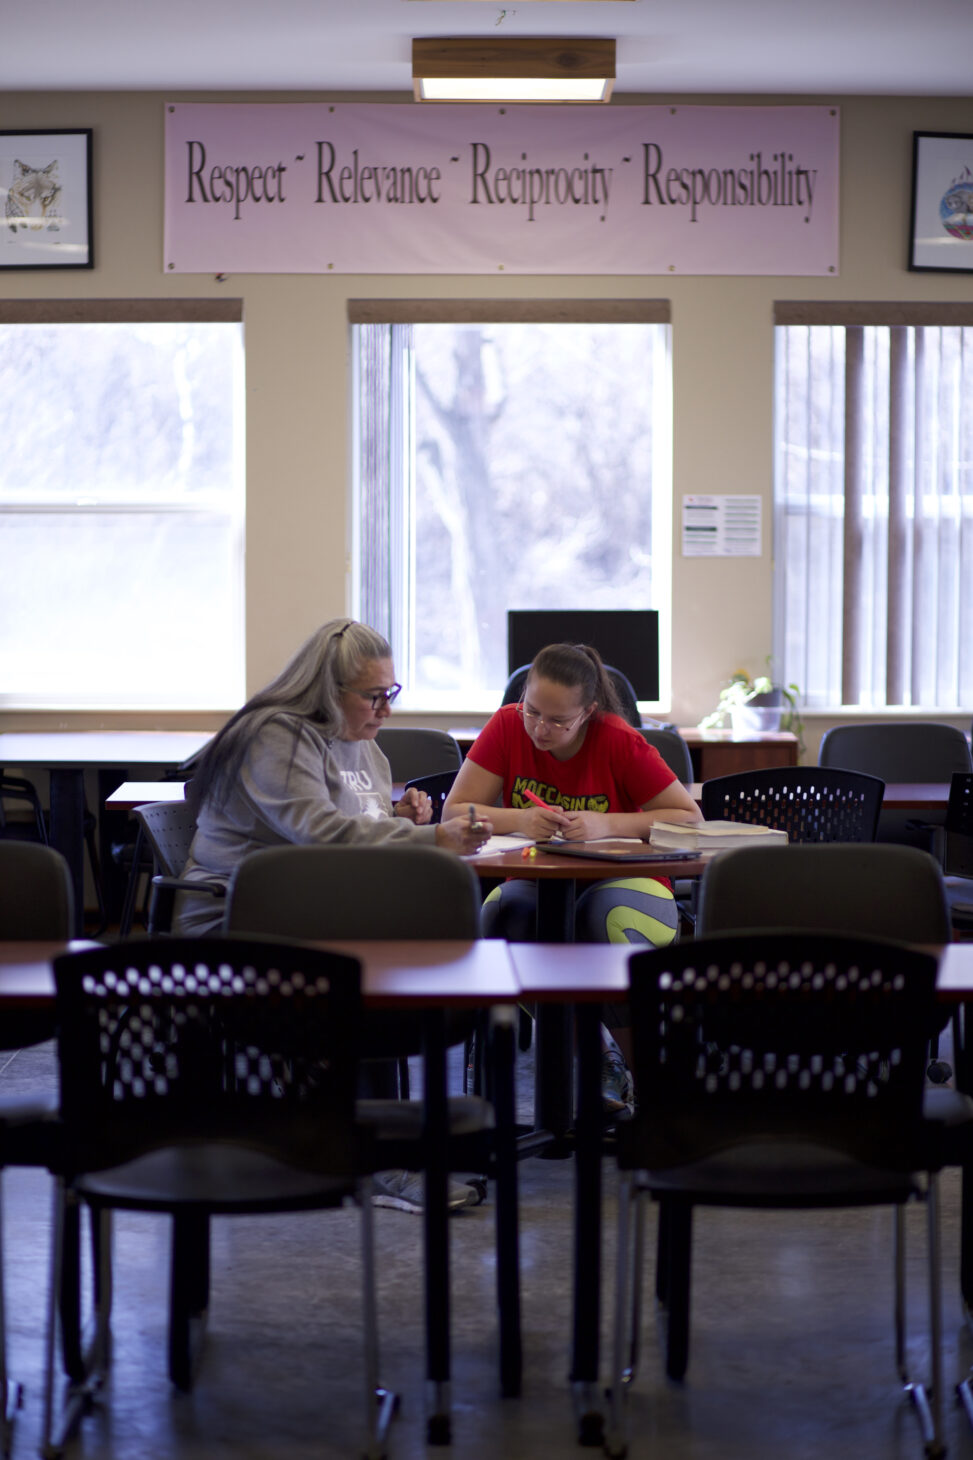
<point x="810" y="803"/>
<point x="32" y="825"/>
<point x="813" y="1100"/>
<point x="952" y="846"/>
<point x="165" y="830"/>
<point x="673" y="749"/>
<point x="922" y="751"/>
<point x="382" y="892"/>
<point x="249" y="1110"/>
<point x="412" y="751"/>
<point x="628" y="705"/>
<point x="437" y="787"/>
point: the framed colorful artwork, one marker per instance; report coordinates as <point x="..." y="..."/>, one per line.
<point x="941" y="233"/>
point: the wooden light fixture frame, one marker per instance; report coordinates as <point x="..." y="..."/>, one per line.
<point x="514" y="57"/>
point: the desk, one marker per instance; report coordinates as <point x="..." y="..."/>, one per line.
<point x="68" y="754"/>
<point x="404" y="974"/>
<point x="142" y="793"/>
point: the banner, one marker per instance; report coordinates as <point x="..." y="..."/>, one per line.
<point x="356" y="188"/>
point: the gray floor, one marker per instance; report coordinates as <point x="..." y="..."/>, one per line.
<point x="791" y="1352"/>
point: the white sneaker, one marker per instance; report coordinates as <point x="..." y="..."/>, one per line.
<point x="404" y="1191"/>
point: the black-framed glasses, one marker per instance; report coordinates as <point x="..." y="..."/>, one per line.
<point x="376" y="697"/>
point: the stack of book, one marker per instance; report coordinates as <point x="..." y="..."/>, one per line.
<point x="712" y="836"/>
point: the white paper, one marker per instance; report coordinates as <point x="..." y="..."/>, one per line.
<point x="721" y="527"/>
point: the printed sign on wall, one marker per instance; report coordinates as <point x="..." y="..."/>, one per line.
<point x="309" y="187"/>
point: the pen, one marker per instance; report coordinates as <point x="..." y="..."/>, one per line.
<point x="475" y="824"/>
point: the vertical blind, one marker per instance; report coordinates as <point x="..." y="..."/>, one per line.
<point x="874" y="503"/>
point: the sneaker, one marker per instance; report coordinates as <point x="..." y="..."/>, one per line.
<point x="617" y="1086"/>
<point x="404" y="1191"/>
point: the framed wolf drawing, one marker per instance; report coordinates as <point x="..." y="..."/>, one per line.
<point x="45" y="199"/>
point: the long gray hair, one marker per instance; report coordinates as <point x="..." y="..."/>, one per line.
<point x="308" y="687"/>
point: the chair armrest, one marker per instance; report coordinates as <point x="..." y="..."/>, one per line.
<point x="162" y="898"/>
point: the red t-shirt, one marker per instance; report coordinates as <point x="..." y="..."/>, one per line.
<point x="615" y="769"/>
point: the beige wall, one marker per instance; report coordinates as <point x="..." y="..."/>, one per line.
<point x="298" y="382"/>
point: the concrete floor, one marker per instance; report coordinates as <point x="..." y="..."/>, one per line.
<point x="791" y="1351"/>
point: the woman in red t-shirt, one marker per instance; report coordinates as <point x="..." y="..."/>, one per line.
<point x="566" y="744"/>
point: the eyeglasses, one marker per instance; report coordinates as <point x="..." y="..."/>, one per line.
<point x="531" y="717"/>
<point x="376" y="697"/>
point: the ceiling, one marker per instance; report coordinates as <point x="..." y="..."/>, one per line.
<point x="825" y="48"/>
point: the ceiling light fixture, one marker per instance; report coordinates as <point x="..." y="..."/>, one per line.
<point x="512" y="69"/>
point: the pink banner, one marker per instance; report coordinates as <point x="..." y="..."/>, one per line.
<point x="309" y="188"/>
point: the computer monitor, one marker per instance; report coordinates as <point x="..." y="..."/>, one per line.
<point x="628" y="639"/>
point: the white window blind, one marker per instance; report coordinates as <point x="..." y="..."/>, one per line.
<point x="874" y="504"/>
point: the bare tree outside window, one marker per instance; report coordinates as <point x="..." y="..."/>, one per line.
<point x="535" y="474"/>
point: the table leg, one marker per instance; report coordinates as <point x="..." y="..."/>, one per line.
<point x="503" y="1045"/>
<point x="67" y="830"/>
<point x="436" y="1222"/>
<point x="554" y="1066"/>
<point x="587" y="1228"/>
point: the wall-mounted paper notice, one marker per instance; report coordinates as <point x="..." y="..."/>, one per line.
<point x="720" y="527"/>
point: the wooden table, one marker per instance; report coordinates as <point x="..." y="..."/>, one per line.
<point x="66" y="755"/>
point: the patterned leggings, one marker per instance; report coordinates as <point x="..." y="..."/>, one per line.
<point x="637" y="910"/>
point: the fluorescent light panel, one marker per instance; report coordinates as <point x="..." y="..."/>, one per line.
<point x="512" y="69"/>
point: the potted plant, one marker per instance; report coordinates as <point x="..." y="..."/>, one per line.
<point x="756" y="704"/>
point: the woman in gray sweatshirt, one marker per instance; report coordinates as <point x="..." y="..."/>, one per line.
<point x="299" y="764"/>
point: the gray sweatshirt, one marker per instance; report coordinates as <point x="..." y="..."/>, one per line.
<point x="294" y="787"/>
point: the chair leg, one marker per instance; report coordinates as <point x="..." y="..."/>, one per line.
<point x="928" y="1402"/>
<point x="638" y="1267"/>
<point x="94" y="1361"/>
<point x="381" y="1405"/>
<point x="188" y="1295"/>
<point x="616" y="1440"/>
<point x="680" y="1241"/>
<point x="11" y="1394"/>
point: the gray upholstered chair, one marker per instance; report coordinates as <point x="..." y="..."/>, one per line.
<point x="921" y="751"/>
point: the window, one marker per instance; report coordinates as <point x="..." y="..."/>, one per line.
<point x="514" y="456"/>
<point x="874" y="504"/>
<point x="121" y="504"/>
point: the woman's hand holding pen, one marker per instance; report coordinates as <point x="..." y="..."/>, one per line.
<point x="464" y="834"/>
<point x="415" y="806"/>
<point x="585" y="826"/>
<point x="540" y="823"/>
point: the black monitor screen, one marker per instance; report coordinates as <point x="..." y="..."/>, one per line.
<point x="627" y="639"/>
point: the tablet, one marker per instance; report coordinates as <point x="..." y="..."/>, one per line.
<point x="621" y="850"/>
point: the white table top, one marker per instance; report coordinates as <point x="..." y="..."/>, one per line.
<point x="66" y="748"/>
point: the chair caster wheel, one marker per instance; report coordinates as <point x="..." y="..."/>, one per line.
<point x="439" y="1430"/>
<point x="591" y="1431"/>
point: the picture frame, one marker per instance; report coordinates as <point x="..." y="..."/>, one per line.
<point x="941" y="223"/>
<point x="45" y="199"/>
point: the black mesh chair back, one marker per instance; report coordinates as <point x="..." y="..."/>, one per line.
<point x="673" y="749"/>
<point x="810" y="803"/>
<point x="437" y="788"/>
<point x="36" y="899"/>
<point x="354" y="892"/>
<point x="627" y="701"/>
<point x="413" y="751"/>
<point x="875" y="890"/>
<point x="169" y="828"/>
<point x="821" y="1039"/>
<point x="230" y="1040"/>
